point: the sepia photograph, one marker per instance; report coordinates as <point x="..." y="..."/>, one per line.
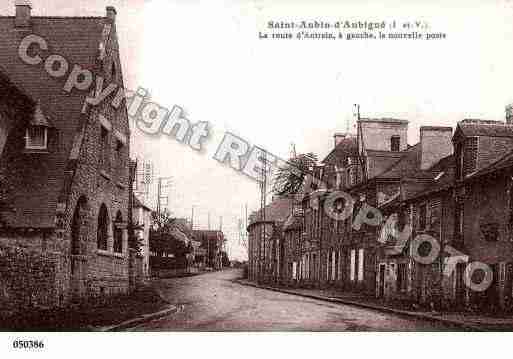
<point x="195" y="171"/>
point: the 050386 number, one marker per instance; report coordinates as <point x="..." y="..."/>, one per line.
<point x="28" y="344"/>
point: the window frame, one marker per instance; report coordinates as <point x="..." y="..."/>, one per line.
<point x="392" y="143"/>
<point x="27" y="138"/>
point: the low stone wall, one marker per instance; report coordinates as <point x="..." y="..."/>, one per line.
<point x="30" y="279"/>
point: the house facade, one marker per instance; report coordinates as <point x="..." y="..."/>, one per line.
<point x="428" y="224"/>
<point x="142" y="222"/>
<point x="66" y="166"/>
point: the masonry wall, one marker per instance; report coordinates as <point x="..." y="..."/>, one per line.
<point x="103" y="180"/>
<point x="33" y="272"/>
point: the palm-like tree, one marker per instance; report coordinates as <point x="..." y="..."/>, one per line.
<point x="289" y="178"/>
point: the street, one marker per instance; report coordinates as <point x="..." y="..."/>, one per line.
<point x="213" y="302"/>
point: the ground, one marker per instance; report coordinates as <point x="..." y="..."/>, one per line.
<point x="215" y="302"/>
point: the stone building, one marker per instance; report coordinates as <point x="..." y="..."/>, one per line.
<point x="142" y="222"/>
<point x="443" y="217"/>
<point x="65" y="166"/>
<point x="266" y="241"/>
<point x="484" y="207"/>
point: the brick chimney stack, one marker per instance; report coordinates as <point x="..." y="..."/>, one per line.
<point x="111" y="13"/>
<point x="338" y="137"/>
<point x="509" y="114"/>
<point x="435" y="144"/>
<point x="23" y="8"/>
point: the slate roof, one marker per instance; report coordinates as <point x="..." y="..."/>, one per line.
<point x="494" y="129"/>
<point x="76" y="39"/>
<point x="379" y="161"/>
<point x="407" y="165"/>
<point x="276" y="211"/>
<point x="441" y="177"/>
<point x="504" y="162"/>
<point x="347" y="146"/>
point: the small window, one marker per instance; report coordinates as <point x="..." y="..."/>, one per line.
<point x="36" y="138"/>
<point x="470" y="155"/>
<point x="395" y="142"/>
<point x="118" y="234"/>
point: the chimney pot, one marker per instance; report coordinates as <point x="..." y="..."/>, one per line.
<point x="23" y="8"/>
<point x="111" y="13"/>
<point x="338" y="137"/>
<point x="509" y="114"/>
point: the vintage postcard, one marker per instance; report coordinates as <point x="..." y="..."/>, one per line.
<point x="254" y="166"/>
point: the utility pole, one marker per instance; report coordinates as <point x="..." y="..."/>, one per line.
<point x="359" y="142"/>
<point x="159" y="193"/>
<point x="158" y="197"/>
<point x="209" y="221"/>
<point x="192" y="218"/>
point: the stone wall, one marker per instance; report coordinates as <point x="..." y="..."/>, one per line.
<point x="30" y="278"/>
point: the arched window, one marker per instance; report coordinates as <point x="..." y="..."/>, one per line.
<point x="103" y="228"/>
<point x="118" y="234"/>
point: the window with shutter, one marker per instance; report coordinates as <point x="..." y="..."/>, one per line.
<point x="470" y="155"/>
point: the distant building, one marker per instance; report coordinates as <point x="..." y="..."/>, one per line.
<point x="212" y="243"/>
<point x="142" y="223"/>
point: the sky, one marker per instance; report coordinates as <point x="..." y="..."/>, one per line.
<point x="206" y="57"/>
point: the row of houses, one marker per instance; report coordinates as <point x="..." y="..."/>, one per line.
<point x="429" y="224"/>
<point x="66" y="212"/>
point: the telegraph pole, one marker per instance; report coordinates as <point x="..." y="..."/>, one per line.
<point x="158" y="197"/>
<point x="192" y="218"/>
<point x="159" y="193"/>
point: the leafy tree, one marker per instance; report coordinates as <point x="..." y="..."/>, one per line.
<point x="165" y="236"/>
<point x="290" y="177"/>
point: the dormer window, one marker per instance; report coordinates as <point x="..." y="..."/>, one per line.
<point x="36" y="134"/>
<point x="36" y="138"/>
<point x="469" y="156"/>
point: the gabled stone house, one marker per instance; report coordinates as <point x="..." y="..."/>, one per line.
<point x="484" y="206"/>
<point x="66" y="165"/>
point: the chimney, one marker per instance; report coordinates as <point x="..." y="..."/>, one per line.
<point x="111" y="13"/>
<point x="23" y="8"/>
<point x="435" y="144"/>
<point x="509" y="114"/>
<point x="338" y="137"/>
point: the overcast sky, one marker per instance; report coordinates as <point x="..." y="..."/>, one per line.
<point x="205" y="56"/>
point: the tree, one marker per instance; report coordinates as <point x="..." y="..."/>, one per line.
<point x="290" y="177"/>
<point x="167" y="237"/>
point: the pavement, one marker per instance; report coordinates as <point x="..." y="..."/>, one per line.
<point x="217" y="302"/>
